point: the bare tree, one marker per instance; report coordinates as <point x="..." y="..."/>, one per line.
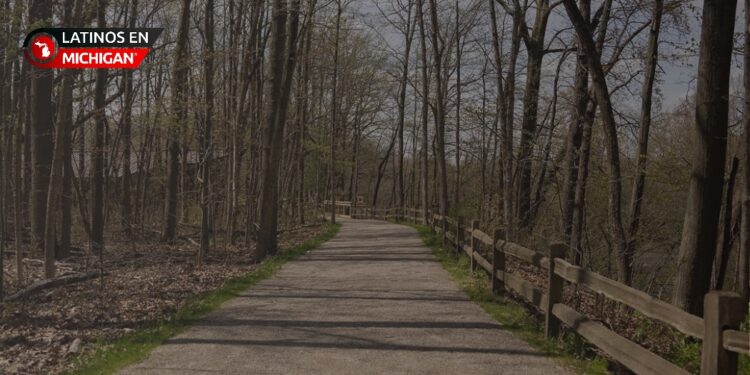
<point x="179" y="108"/>
<point x="702" y="210"/>
<point x="334" y="112"/>
<point x="639" y="182"/>
<point x="437" y="50"/>
<point x="601" y="93"/>
<point x="279" y="74"/>
<point x="744" y="263"/>
<point x="127" y="123"/>
<point x="208" y="71"/>
<point x="98" y="169"/>
<point x="425" y="110"/>
<point x="40" y="13"/>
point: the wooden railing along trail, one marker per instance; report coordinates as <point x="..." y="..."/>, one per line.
<point x="718" y="329"/>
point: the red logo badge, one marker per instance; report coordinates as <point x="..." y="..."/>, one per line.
<point x="42" y="48"/>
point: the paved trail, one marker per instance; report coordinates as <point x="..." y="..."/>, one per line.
<point x="371" y="301"/>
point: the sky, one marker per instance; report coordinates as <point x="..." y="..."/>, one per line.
<point x="676" y="76"/>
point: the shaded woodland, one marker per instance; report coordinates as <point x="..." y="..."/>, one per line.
<point x="555" y="120"/>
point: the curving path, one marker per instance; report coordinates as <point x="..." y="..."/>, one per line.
<point x="373" y="300"/>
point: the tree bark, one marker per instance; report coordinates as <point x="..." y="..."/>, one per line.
<point x="601" y="93"/>
<point x="743" y="268"/>
<point x="64" y="124"/>
<point x="535" y="47"/>
<point x="127" y="120"/>
<point x="402" y="102"/>
<point x="334" y="113"/>
<point x="40" y="13"/>
<point x="179" y="109"/>
<point x="639" y="182"/>
<point x="425" y="113"/>
<point x="279" y="75"/>
<point x="457" y="190"/>
<point x="208" y="72"/>
<point x="724" y="245"/>
<point x="100" y="123"/>
<point x="437" y="51"/>
<point x="702" y="209"/>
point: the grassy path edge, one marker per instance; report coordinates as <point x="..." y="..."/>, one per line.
<point x="570" y="352"/>
<point x="108" y="357"/>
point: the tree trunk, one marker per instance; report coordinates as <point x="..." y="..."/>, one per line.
<point x="743" y="268"/>
<point x="208" y="71"/>
<point x="334" y="113"/>
<point x="64" y="124"/>
<point x="457" y="190"/>
<point x="437" y="51"/>
<point x="724" y="245"/>
<point x="601" y="92"/>
<point x="41" y="111"/>
<point x="279" y="77"/>
<point x="425" y="112"/>
<point x="100" y="123"/>
<point x="402" y="102"/>
<point x="700" y="228"/>
<point x="127" y="120"/>
<point x="535" y="47"/>
<point x="574" y="137"/>
<point x="179" y="109"/>
<point x="639" y="182"/>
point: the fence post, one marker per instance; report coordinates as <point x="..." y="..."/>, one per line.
<point x="459" y="234"/>
<point x="498" y="264"/>
<point x="554" y="291"/>
<point x="474" y="245"/>
<point x="721" y="310"/>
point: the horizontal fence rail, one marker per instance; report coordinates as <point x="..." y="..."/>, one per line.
<point x="719" y="330"/>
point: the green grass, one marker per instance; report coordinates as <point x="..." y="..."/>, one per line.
<point x="108" y="357"/>
<point x="571" y="351"/>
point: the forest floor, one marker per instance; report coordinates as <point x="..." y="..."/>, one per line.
<point x="146" y="281"/>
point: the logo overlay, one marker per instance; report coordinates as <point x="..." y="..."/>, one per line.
<point x="80" y="48"/>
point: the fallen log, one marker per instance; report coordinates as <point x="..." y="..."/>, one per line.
<point x="52" y="283"/>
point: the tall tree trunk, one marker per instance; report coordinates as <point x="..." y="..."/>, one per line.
<point x="457" y="190"/>
<point x="18" y="211"/>
<point x="179" y="109"/>
<point x="425" y="112"/>
<point x="64" y="124"/>
<point x="5" y="132"/>
<point x="279" y="76"/>
<point x="574" y="136"/>
<point x="305" y="114"/>
<point x="402" y="102"/>
<point x="744" y="267"/>
<point x="535" y="47"/>
<point x="41" y="111"/>
<point x="639" y="182"/>
<point x="700" y="229"/>
<point x="437" y="51"/>
<point x="208" y="71"/>
<point x="127" y="120"/>
<point x="100" y="122"/>
<point x="334" y="113"/>
<point x="601" y="92"/>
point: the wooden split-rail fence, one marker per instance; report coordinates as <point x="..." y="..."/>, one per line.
<point x="719" y="329"/>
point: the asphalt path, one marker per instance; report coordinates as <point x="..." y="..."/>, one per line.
<point x="373" y="300"/>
